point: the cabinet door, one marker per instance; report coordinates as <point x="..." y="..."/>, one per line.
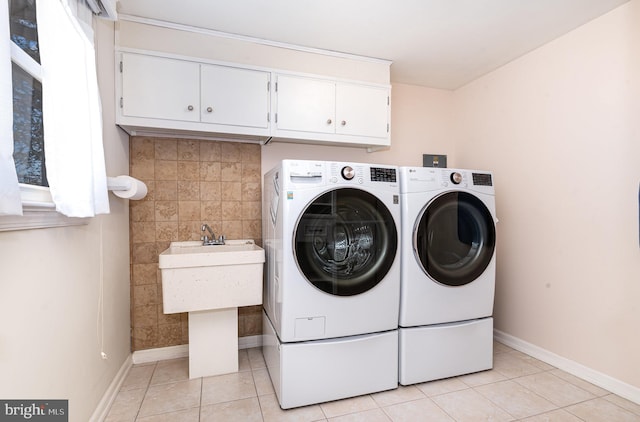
<point x="234" y="96"/>
<point x="160" y="88"/>
<point x="305" y="104"/>
<point x="362" y="110"/>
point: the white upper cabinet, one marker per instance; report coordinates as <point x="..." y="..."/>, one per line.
<point x="233" y="96"/>
<point x="187" y="96"/>
<point x="331" y="111"/>
<point x="160" y="88"/>
<point x="174" y="95"/>
<point x="362" y="110"/>
<point x="306" y="105"/>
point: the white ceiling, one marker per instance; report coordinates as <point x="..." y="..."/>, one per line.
<point x="435" y="43"/>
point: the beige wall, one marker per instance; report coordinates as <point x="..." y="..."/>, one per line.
<point x="560" y="128"/>
<point x="50" y="341"/>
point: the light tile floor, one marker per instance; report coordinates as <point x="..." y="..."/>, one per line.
<point x="519" y="388"/>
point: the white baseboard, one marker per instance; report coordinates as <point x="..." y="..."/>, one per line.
<point x="109" y="396"/>
<point x="182" y="351"/>
<point x="607" y="382"/>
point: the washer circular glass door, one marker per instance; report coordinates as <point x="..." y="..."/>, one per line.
<point x="345" y="241"/>
<point x="454" y="238"/>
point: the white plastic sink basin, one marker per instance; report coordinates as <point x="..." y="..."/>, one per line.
<point x="197" y="278"/>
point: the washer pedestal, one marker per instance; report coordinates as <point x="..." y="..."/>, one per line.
<point x="318" y="371"/>
<point x="434" y="352"/>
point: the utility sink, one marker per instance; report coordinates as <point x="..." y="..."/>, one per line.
<point x="210" y="283"/>
<point x="196" y="277"/>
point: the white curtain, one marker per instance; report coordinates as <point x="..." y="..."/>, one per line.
<point x="72" y="116"/>
<point x="10" y="203"/>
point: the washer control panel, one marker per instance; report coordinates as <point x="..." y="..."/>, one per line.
<point x="361" y="174"/>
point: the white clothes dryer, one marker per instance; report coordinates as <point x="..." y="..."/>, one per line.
<point x="448" y="272"/>
<point x="332" y="283"/>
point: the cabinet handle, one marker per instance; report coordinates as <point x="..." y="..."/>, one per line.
<point x="209" y="109"/>
<point x="190" y="108"/>
<point x="343" y="123"/>
<point x="329" y="121"/>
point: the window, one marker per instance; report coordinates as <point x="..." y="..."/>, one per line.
<point x="28" y="133"/>
<point x="48" y="85"/>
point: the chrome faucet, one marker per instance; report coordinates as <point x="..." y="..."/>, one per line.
<point x="206" y="240"/>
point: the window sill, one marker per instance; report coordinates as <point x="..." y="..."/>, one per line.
<point x="39" y="212"/>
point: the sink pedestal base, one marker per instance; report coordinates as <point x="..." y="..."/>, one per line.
<point x="213" y="342"/>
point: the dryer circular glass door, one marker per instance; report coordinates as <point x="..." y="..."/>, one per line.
<point x="345" y="242"/>
<point x="454" y="238"/>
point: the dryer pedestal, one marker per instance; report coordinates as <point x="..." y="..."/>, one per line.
<point x="318" y="371"/>
<point x="439" y="351"/>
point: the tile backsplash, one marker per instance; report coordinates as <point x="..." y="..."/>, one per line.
<point x="190" y="182"/>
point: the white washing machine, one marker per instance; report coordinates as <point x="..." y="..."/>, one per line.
<point x="332" y="283"/>
<point x="448" y="262"/>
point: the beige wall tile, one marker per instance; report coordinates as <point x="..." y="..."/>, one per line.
<point x="146" y="315"/>
<point x="211" y="191"/>
<point x="166" y="230"/>
<point x="232" y="229"/>
<point x="169" y="335"/>
<point x="143" y="169"/>
<point x="230" y="172"/>
<point x="166" y="170"/>
<point x="146" y="294"/>
<point x="231" y="191"/>
<point x="166" y="190"/>
<point x="210" y="151"/>
<point x="210" y="171"/>
<point x="189" y="190"/>
<point x="144" y="274"/>
<point x="251" y="191"/>
<point x="230" y="152"/>
<point x="188" y="170"/>
<point x="231" y="210"/>
<point x="251" y="210"/>
<point x="190" y="182"/>
<point x="143" y="232"/>
<point x="144" y="253"/>
<point x="251" y="172"/>
<point x="210" y="211"/>
<point x="250" y="153"/>
<point x="166" y="210"/>
<point x="189" y="230"/>
<point x="166" y="149"/>
<point x="189" y="210"/>
<point x="142" y="211"/>
<point x="188" y="150"/>
<point x="252" y="229"/>
<point x="142" y="148"/>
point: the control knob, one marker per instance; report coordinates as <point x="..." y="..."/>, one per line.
<point x="348" y="172"/>
<point x="456" y="178"/>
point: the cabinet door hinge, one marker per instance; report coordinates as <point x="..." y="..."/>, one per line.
<point x="276" y="86"/>
<point x="268" y="118"/>
<point x="276" y="117"/>
<point x="387" y="127"/>
<point x="121" y="102"/>
<point x="268" y="86"/>
<point x="388" y="100"/>
<point x="121" y="65"/>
